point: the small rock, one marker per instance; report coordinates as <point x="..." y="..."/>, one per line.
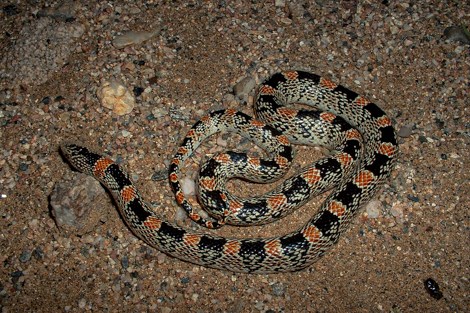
<point x="65" y="11"/>
<point x="432" y="287"/>
<point x="286" y="20"/>
<point x="413" y="198"/>
<point x="116" y="287"/>
<point x="38" y="253"/>
<point x="394" y="30"/>
<point x="457" y="33"/>
<point x="115" y="96"/>
<point x="125" y="133"/>
<point x="46" y="100"/>
<point x="422" y="139"/>
<point x="243" y="87"/>
<point x="278" y="289"/>
<point x="25" y="256"/>
<point x="153" y="80"/>
<point x="397" y="211"/>
<point x="82" y="303"/>
<point x="189" y="186"/>
<point x="133" y="37"/>
<point x="161" y="257"/>
<point x="159" y="112"/>
<point x="259" y="305"/>
<point x="406" y="130"/>
<point x="181" y="214"/>
<point x="228" y="99"/>
<point x="373" y="209"/>
<point x="73" y="204"/>
<point x="408" y="42"/>
<point x="138" y="91"/>
<point x="125" y="262"/>
<point x="160" y="175"/>
<point x="16" y="278"/>
<point x="23" y="167"/>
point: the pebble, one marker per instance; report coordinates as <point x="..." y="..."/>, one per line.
<point x="244" y="87"/>
<point x="133" y="37"/>
<point x="159" y="112"/>
<point x="38" y="253"/>
<point x="408" y="42"/>
<point x="73" y="204"/>
<point x="278" y="289"/>
<point x="373" y="209"/>
<point x="228" y="99"/>
<point x="125" y="262"/>
<point x="160" y="175"/>
<point x="82" y="303"/>
<point x="161" y="258"/>
<point x="413" y="198"/>
<point x="188" y="186"/>
<point x="166" y="310"/>
<point x="115" y="96"/>
<point x="25" y="256"/>
<point x="65" y="11"/>
<point x="23" y="167"/>
<point x="397" y="211"/>
<point x="406" y="130"/>
<point x="125" y="133"/>
<point x="17" y="278"/>
<point x="46" y="100"/>
<point x="181" y="214"/>
<point x="432" y="287"/>
<point x="259" y="305"/>
<point x="138" y="91"/>
<point x="422" y="139"/>
<point x="458" y="34"/>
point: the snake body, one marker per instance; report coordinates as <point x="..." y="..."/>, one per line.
<point x="290" y="252"/>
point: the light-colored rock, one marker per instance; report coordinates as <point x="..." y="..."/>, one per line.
<point x="373" y="209"/>
<point x="244" y="86"/>
<point x="188" y="185"/>
<point x="72" y="206"/>
<point x="133" y="37"/>
<point x="115" y="96"/>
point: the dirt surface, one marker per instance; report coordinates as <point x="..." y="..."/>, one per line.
<point x="55" y="58"/>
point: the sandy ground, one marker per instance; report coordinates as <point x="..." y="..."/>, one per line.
<point x="54" y="59"/>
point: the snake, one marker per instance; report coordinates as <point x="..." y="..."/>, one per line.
<point x="290" y="252"/>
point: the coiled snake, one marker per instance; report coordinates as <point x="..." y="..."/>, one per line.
<point x="299" y="248"/>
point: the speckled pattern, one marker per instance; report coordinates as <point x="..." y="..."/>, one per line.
<point x="392" y="52"/>
<point x="298" y="249"/>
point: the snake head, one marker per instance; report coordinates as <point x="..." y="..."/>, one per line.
<point x="81" y="158"/>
